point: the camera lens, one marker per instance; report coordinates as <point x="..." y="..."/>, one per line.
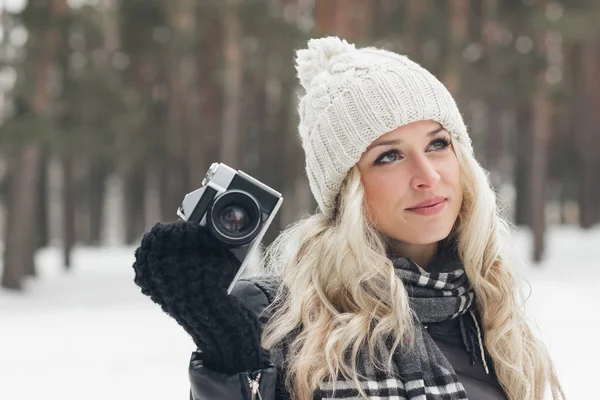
<point x="235" y="217"/>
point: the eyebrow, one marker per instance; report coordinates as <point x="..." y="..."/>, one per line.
<point x="396" y="141"/>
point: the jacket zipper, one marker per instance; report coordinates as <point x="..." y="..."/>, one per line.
<point x="254" y="386"/>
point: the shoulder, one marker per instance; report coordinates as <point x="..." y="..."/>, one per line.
<point x="257" y="292"/>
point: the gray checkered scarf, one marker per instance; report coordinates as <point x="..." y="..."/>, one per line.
<point x="422" y="372"/>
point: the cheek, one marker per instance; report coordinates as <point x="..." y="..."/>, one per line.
<point x="377" y="197"/>
<point x="456" y="175"/>
<point x="382" y="191"/>
<point x="451" y="175"/>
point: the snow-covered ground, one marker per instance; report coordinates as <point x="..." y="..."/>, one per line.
<point x="90" y="334"/>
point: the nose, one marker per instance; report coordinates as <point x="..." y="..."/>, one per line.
<point x="425" y="175"/>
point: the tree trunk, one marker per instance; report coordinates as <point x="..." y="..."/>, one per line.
<point x="96" y="201"/>
<point x="590" y="165"/>
<point x="61" y="23"/>
<point x="459" y="26"/>
<point x="493" y="134"/>
<point x="22" y="239"/>
<point x="134" y="196"/>
<point x="272" y="144"/>
<point x="349" y="19"/>
<point x="230" y="135"/>
<point x="522" y="171"/>
<point x="184" y="74"/>
<point x="257" y="123"/>
<point x="415" y="10"/>
<point x="41" y="215"/>
<point x="98" y="169"/>
<point x="299" y="199"/>
<point x="541" y="132"/>
<point x="206" y="142"/>
<point x="20" y="234"/>
<point x="182" y="105"/>
<point x="68" y="202"/>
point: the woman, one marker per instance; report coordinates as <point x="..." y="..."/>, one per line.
<point x="399" y="287"/>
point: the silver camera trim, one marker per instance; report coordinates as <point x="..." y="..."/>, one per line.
<point x="255" y="243"/>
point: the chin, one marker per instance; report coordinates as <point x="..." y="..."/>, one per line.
<point x="426" y="235"/>
<point x="427" y="239"/>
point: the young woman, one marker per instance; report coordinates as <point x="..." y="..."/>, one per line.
<point x="399" y="287"/>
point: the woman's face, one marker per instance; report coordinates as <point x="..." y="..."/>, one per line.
<point x="412" y="182"/>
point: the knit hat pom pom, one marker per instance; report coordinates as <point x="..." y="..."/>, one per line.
<point x="316" y="59"/>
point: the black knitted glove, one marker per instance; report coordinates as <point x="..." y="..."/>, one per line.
<point x="186" y="271"/>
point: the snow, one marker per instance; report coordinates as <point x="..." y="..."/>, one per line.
<point x="565" y="304"/>
<point x="90" y="333"/>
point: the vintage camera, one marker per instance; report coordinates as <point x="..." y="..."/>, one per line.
<point x="236" y="208"/>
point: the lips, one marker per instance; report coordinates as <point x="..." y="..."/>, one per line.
<point x="429" y="207"/>
<point x="428" y="203"/>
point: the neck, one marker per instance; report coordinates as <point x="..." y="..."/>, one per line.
<point x="421" y="254"/>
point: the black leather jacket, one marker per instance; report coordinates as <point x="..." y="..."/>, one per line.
<point x="257" y="294"/>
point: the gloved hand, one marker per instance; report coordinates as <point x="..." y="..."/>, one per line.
<point x="185" y="270"/>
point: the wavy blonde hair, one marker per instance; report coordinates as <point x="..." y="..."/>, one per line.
<point x="340" y="294"/>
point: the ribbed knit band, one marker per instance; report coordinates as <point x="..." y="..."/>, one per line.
<point x="354" y="96"/>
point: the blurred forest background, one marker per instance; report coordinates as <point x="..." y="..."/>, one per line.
<point x="124" y="104"/>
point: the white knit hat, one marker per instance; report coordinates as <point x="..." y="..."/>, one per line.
<point x="354" y="96"/>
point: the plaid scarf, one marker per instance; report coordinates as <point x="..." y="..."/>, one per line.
<point x="421" y="372"/>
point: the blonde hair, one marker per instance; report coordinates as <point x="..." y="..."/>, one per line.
<point x="340" y="294"/>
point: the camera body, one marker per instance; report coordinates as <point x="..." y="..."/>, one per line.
<point x="236" y="208"/>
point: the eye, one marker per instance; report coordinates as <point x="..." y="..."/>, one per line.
<point x="439" y="144"/>
<point x="388" y="157"/>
